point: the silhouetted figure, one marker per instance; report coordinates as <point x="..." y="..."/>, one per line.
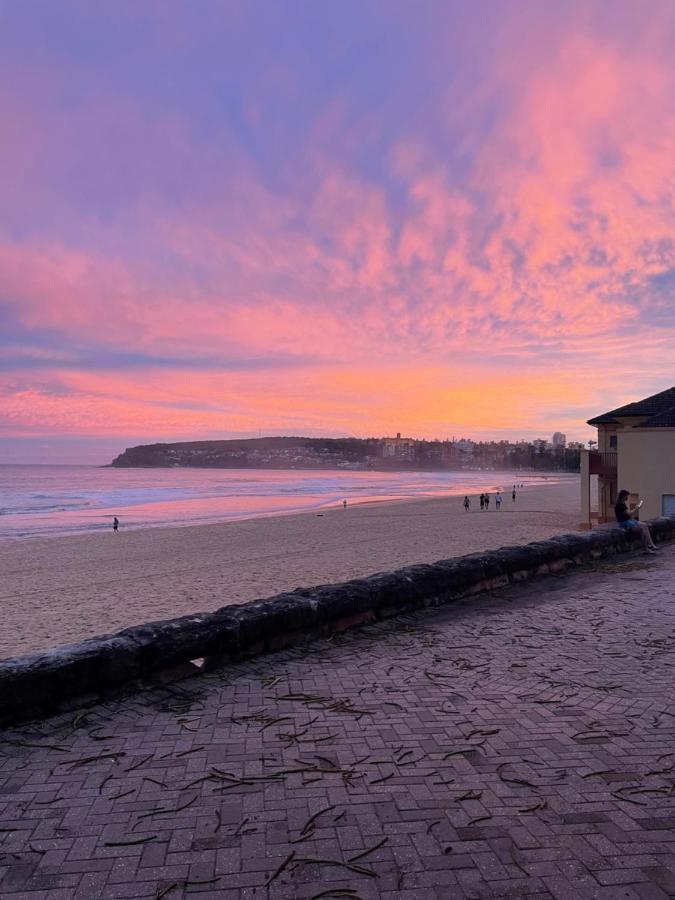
<point x="628" y="519"/>
<point x="482" y="501"/>
<point x="344" y="504"/>
<point x="116" y="524"/>
<point x="513" y="495"/>
<point x="467" y="504"/>
<point x="487" y="501"/>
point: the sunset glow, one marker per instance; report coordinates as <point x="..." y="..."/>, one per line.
<point x="440" y="218"/>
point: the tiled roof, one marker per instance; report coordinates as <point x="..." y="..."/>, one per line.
<point x="655" y="406"/>
<point x="665" y="419"/>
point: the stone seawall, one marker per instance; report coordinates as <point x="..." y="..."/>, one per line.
<point x="42" y="682"/>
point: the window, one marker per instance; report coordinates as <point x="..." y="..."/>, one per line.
<point x="668" y="504"/>
<point x="612" y="442"/>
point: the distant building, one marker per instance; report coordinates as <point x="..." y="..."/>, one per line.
<point x="465" y="446"/>
<point x="399" y="448"/>
<point x="575" y="445"/>
<point x="636" y="449"/>
<point x="449" y="452"/>
<point x="559" y="440"/>
<point x="430" y="452"/>
<point x="540" y="445"/>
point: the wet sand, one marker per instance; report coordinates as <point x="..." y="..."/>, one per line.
<point x="62" y="589"/>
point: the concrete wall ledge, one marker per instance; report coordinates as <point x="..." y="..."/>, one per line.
<point x="41" y="683"/>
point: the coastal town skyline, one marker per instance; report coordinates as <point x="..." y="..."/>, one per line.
<point x="358" y="454"/>
<point x="331" y="220"/>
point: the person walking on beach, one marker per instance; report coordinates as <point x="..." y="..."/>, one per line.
<point x="498" y="500"/>
<point x="482" y="501"/>
<point x="513" y="495"/>
<point x="487" y="501"/>
<point x="628" y="519"/>
<point x="467" y="504"/>
<point x="116" y="524"/>
<point x="344" y="504"/>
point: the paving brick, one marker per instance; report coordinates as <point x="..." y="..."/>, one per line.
<point x="507" y="735"/>
<point x="651" y="891"/>
<point x="621" y="876"/>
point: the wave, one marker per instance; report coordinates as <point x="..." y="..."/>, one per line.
<point x="48" y="500"/>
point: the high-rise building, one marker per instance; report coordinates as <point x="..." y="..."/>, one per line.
<point x="559" y="440"/>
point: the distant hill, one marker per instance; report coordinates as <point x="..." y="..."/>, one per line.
<point x="256" y="453"/>
<point x="350" y="453"/>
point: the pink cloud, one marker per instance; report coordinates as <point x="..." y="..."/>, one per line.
<point x="428" y="402"/>
<point x="393" y="290"/>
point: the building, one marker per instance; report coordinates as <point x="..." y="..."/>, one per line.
<point x="465" y="448"/>
<point x="636" y="452"/>
<point x="399" y="448"/>
<point x="559" y="440"/>
<point x="449" y="453"/>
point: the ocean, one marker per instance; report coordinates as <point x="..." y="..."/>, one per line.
<point x="43" y="501"/>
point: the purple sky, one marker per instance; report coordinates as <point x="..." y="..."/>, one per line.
<point x="220" y="219"/>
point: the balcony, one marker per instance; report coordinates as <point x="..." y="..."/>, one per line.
<point x="602" y="462"/>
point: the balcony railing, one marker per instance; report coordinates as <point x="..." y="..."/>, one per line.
<point x="602" y="462"/>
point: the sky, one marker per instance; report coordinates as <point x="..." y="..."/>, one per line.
<point x="435" y="217"/>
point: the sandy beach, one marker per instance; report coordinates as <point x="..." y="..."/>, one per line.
<point x="62" y="589"/>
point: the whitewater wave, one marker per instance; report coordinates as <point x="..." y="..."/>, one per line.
<point x="40" y="501"/>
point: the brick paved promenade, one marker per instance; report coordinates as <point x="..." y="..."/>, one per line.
<point x="521" y="745"/>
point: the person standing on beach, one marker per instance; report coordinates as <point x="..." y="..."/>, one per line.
<point x="344" y="504"/>
<point x="498" y="500"/>
<point x="487" y="501"/>
<point x="482" y="501"/>
<point x="116" y="524"/>
<point x="513" y="495"/>
<point x="467" y="504"/>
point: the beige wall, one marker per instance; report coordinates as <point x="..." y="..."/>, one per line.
<point x="605" y="432"/>
<point x="646" y="463"/>
<point x="585" y="490"/>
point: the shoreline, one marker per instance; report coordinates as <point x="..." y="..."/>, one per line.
<point x="139" y="517"/>
<point x="60" y="589"/>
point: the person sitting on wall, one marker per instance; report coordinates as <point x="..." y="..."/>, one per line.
<point x="628" y="519"/>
